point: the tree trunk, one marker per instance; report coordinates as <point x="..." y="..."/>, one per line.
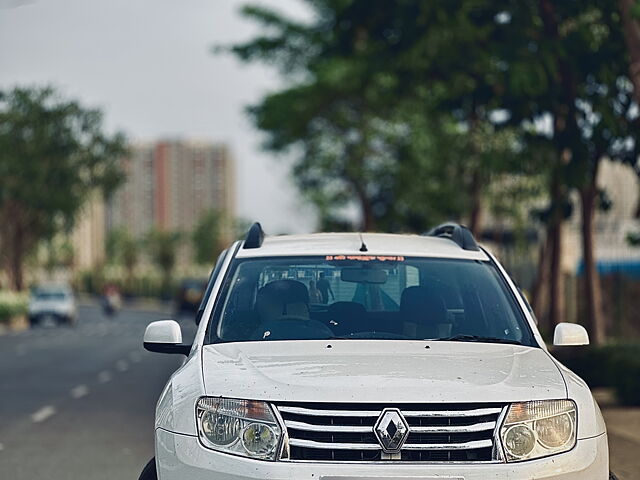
<point x="15" y="253"/>
<point x="566" y="131"/>
<point x="593" y="319"/>
<point x="475" y="218"/>
<point x="540" y="293"/>
<point x="556" y="279"/>
<point x="14" y="246"/>
<point x="368" y="219"/>
<point x="631" y="28"/>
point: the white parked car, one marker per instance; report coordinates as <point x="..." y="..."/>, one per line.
<point x="417" y="358"/>
<point x="52" y="303"/>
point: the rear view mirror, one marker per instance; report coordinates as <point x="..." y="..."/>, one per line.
<point x="363" y="275"/>
<point x="165" y="336"/>
<point x="567" y="334"/>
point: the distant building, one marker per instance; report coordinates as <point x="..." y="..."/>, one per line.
<point x="611" y="227"/>
<point x="170" y="184"/>
<point x="88" y="235"/>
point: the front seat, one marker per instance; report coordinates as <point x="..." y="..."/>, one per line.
<point x="282" y="298"/>
<point x="283" y="307"/>
<point x="423" y="313"/>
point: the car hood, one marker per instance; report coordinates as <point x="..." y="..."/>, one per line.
<point x="380" y="371"/>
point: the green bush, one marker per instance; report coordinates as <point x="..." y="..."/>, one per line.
<point x="624" y="368"/>
<point x="147" y="285"/>
<point x="12" y="305"/>
<point x="591" y="364"/>
<point x="615" y="366"/>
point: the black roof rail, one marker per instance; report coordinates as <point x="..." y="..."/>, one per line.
<point x="255" y="236"/>
<point x="456" y="232"/>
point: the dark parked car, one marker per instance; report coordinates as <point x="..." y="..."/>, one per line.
<point x="189" y="295"/>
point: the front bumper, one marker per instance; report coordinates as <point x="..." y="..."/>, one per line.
<point x="181" y="457"/>
<point x="54" y="315"/>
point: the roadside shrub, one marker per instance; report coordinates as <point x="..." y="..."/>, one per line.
<point x="615" y="366"/>
<point x="12" y="305"/>
<point x="142" y="285"/>
<point x="589" y="363"/>
<point x="624" y="368"/>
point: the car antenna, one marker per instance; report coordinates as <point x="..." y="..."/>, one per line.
<point x="363" y="247"/>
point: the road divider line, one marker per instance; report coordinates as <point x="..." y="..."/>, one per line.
<point x="122" y="366"/>
<point x="42" y="414"/>
<point x="79" y="391"/>
<point x="104" y="376"/>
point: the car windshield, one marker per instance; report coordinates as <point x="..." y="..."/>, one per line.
<point x="42" y="294"/>
<point x="366" y="297"/>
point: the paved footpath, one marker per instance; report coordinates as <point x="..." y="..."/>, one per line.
<point x="623" y="426"/>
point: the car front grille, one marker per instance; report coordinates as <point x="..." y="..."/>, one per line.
<point x="345" y="432"/>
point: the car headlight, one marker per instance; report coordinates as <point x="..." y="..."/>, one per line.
<point x="538" y="429"/>
<point x="241" y="427"/>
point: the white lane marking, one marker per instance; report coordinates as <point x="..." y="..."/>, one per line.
<point x="104" y="376"/>
<point x="1" y="447"/>
<point x="79" y="391"/>
<point x="42" y="414"/>
<point x="122" y="366"/>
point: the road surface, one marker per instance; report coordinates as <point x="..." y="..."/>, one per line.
<point x="78" y="403"/>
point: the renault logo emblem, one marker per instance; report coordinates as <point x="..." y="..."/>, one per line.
<point x="391" y="430"/>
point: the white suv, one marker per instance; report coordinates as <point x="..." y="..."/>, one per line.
<point x="370" y="356"/>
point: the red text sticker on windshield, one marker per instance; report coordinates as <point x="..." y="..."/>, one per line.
<point x="366" y="258"/>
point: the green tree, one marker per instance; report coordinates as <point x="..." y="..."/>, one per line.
<point x="536" y="61"/>
<point x="346" y="138"/>
<point x="163" y="247"/>
<point x="382" y="112"/>
<point x="53" y="154"/>
<point x="59" y="253"/>
<point x="123" y="249"/>
<point x="630" y="11"/>
<point x="582" y="61"/>
<point x="206" y="238"/>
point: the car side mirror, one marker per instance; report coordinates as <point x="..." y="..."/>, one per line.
<point x="567" y="334"/>
<point x="165" y="336"/>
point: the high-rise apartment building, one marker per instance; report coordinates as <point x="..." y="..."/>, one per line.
<point x="170" y="184"/>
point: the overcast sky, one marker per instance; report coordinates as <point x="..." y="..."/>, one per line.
<point x="148" y="65"/>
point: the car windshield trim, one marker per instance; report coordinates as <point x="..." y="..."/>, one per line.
<point x="477" y="338"/>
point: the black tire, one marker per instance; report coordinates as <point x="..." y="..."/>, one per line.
<point x="612" y="476"/>
<point x="149" y="471"/>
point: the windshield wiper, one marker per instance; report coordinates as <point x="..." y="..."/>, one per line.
<point x="477" y="338"/>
